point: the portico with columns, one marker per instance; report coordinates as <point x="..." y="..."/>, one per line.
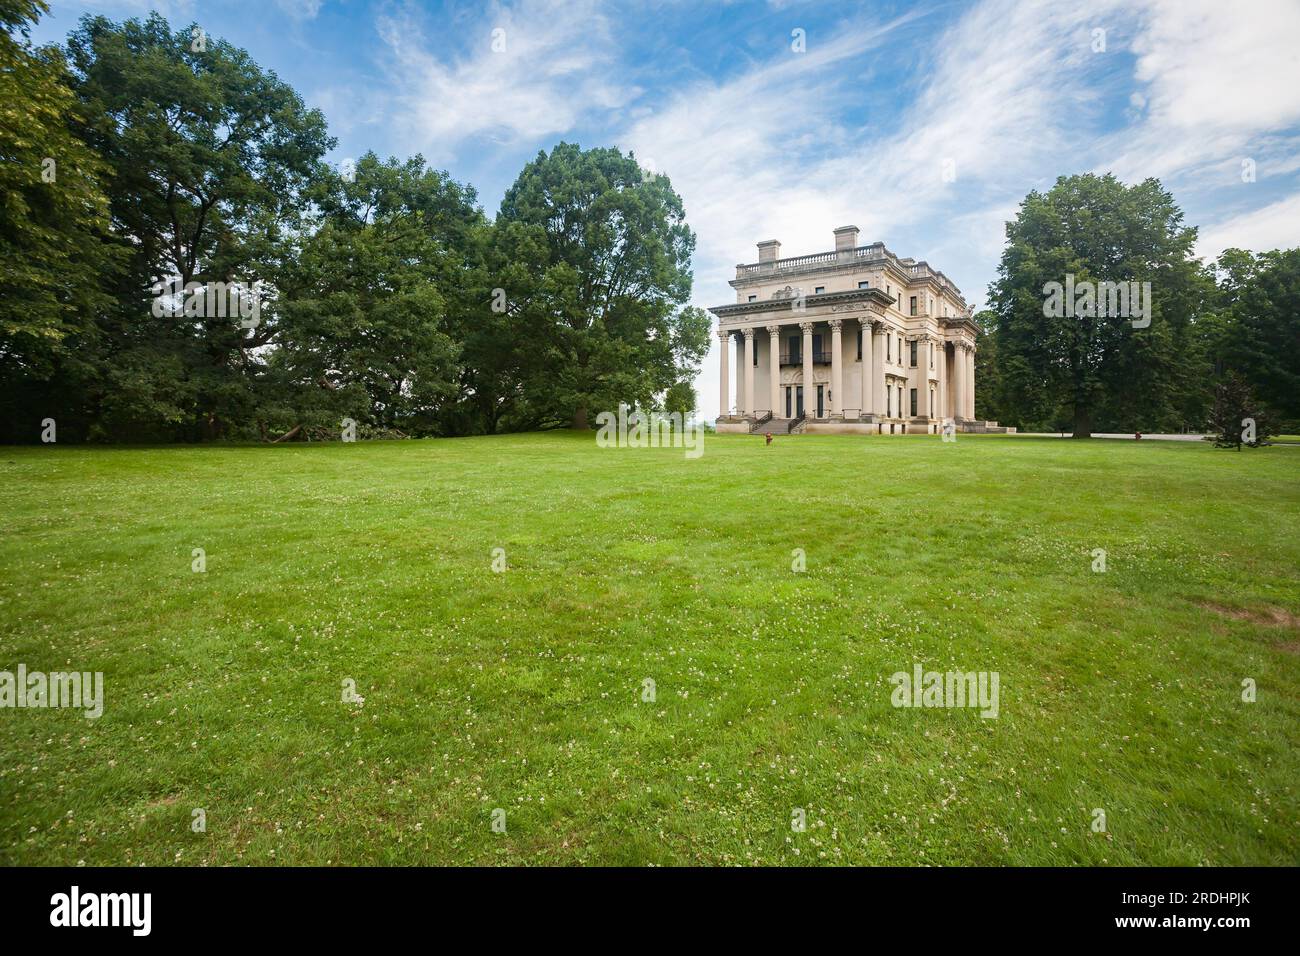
<point x="853" y="340"/>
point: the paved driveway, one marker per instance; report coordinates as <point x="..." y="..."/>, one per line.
<point x="1113" y="435"/>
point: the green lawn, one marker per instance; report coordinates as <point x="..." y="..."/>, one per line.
<point x="523" y="690"/>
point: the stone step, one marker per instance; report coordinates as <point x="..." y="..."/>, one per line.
<point x="777" y="426"/>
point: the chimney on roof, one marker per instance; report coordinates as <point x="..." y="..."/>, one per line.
<point x="846" y="238"/>
<point x="769" y="251"/>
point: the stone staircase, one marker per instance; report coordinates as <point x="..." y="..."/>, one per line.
<point x="777" y="426"/>
<point x="988" y="428"/>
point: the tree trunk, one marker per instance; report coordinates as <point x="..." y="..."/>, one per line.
<point x="580" y="418"/>
<point x="1082" y="422"/>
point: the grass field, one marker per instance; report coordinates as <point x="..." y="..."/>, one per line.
<point x="523" y="690"/>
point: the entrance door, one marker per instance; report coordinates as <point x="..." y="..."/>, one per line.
<point x="820" y="407"/>
<point x="787" y="401"/>
<point x="798" y="400"/>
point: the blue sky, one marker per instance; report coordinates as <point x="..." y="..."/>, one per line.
<point x="765" y="141"/>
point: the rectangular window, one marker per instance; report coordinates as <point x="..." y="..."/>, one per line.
<point x="911" y="305"/>
<point x="753" y="298"/>
<point x="817" y="348"/>
<point x="864" y="284"/>
<point x="913" y="402"/>
<point x="755" y="355"/>
<point x="795" y="358"/>
<point x="859" y="344"/>
<point x="911" y="357"/>
<point x="889" y="347"/>
<point x="819" y="290"/>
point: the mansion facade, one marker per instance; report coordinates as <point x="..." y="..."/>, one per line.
<point x="852" y="340"/>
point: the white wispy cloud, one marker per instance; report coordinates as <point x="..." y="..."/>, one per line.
<point x="552" y="65"/>
<point x="1275" y="226"/>
<point x="300" y="9"/>
<point x="1216" y="79"/>
<point x="1004" y="89"/>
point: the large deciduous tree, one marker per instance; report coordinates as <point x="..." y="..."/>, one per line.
<point x="1100" y="369"/>
<point x="176" y="164"/>
<point x="1259" y="334"/>
<point x="211" y="158"/>
<point x="988" y="397"/>
<point x="55" y="263"/>
<point x="373" y="310"/>
<point x="608" y="251"/>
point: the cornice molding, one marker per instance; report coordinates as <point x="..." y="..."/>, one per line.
<point x="822" y="264"/>
<point x="849" y="301"/>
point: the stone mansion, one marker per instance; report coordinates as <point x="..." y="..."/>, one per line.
<point x="852" y="340"/>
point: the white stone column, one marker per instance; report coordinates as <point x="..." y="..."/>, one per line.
<point x="950" y="397"/>
<point x="774" y="340"/>
<point x="967" y="403"/>
<point x="970" y="383"/>
<point x="837" y="369"/>
<point x="960" y="386"/>
<point x="880" y="405"/>
<point x="809" y="398"/>
<point x="941" y="370"/>
<point x="959" y="381"/>
<point x="749" y="370"/>
<point x="965" y="386"/>
<point x="724" y="401"/>
<point x="924" y="399"/>
<point x="932" y="372"/>
<point x="740" y="374"/>
<point x="868" y="400"/>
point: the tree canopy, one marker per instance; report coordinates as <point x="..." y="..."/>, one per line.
<point x="611" y="251"/>
<point x="184" y="175"/>
<point x="54" y="212"/>
<point x="1231" y="327"/>
<point x="1084" y="359"/>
